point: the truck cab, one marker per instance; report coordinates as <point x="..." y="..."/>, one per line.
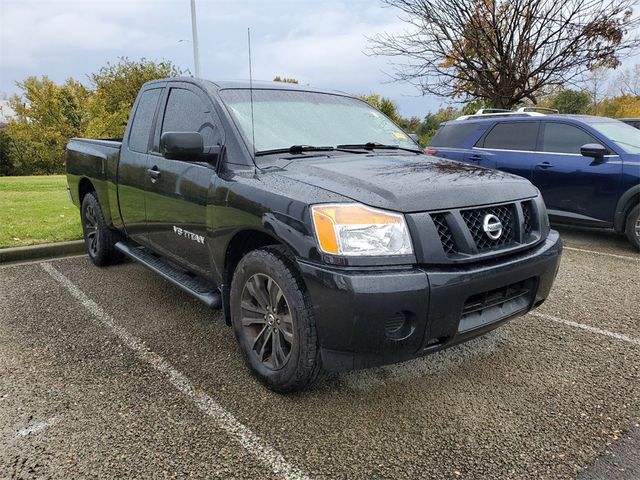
<point x="326" y="235"/>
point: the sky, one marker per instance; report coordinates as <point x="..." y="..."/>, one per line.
<point x="318" y="42"/>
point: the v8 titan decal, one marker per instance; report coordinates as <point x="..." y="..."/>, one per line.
<point x="187" y="234"/>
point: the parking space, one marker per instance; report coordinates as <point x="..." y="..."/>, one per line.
<point x="115" y="372"/>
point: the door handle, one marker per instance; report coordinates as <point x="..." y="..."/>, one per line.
<point x="154" y="173"/>
<point x="475" y="158"/>
<point x="544" y="165"/>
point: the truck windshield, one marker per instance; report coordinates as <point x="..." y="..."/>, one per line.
<point x="625" y="136"/>
<point x="283" y="118"/>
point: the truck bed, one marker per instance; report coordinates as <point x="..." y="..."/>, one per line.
<point x="95" y="161"/>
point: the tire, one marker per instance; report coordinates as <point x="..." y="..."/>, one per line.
<point x="268" y="290"/>
<point x="99" y="239"/>
<point x="633" y="227"/>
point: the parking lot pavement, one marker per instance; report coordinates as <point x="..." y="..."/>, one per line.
<point x="114" y="372"/>
<point x="596" y="239"/>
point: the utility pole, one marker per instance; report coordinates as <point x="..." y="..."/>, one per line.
<point x="194" y="30"/>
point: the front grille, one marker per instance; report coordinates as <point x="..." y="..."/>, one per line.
<point x="527" y="220"/>
<point x="462" y="232"/>
<point x="475" y="218"/>
<point x="448" y="244"/>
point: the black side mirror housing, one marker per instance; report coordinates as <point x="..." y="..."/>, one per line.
<point x="595" y="151"/>
<point x="181" y="145"/>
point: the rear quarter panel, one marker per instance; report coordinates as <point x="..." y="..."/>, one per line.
<point x="95" y="161"/>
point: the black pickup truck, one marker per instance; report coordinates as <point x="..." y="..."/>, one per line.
<point x="330" y="240"/>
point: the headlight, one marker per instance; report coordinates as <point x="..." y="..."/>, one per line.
<point x="353" y="229"/>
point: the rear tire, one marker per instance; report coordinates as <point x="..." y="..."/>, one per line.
<point x="99" y="239"/>
<point x="633" y="227"/>
<point x="271" y="312"/>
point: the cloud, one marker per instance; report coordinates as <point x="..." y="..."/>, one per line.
<point x="319" y="42"/>
<point x="35" y="33"/>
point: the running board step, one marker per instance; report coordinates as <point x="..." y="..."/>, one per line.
<point x="192" y="285"/>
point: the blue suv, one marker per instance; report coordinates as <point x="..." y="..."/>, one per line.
<point x="587" y="168"/>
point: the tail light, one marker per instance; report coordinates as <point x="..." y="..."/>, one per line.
<point x="431" y="151"/>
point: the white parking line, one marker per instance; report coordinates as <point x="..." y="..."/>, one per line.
<point x="40" y="260"/>
<point x="227" y="422"/>
<point x="588" y="328"/>
<point x="624" y="257"/>
<point x="36" y="427"/>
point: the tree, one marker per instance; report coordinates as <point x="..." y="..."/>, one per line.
<point x="278" y="78"/>
<point x="504" y="52"/>
<point x="624" y="106"/>
<point x="628" y="82"/>
<point x="595" y="82"/>
<point x="571" y="102"/>
<point x="6" y="162"/>
<point x="116" y="87"/>
<point x="384" y="104"/>
<point x="47" y="116"/>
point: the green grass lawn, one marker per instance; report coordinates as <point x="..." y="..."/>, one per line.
<point x="36" y="210"/>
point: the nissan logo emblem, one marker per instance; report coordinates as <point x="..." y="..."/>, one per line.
<point x="492" y="226"/>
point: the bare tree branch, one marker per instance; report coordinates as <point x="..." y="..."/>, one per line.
<point x="505" y="51"/>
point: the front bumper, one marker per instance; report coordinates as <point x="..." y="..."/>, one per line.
<point x="367" y="318"/>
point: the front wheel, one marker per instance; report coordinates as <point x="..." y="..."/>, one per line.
<point x="633" y="227"/>
<point x="273" y="321"/>
<point x="99" y="239"/>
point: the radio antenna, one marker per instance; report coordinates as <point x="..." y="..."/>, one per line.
<point x="253" y="128"/>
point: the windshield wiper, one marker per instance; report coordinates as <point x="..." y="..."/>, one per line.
<point x="295" y="150"/>
<point x="378" y="146"/>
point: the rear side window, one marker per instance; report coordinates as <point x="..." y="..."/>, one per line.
<point x="564" y="138"/>
<point x="453" y="134"/>
<point x="512" y="136"/>
<point x="187" y="112"/>
<point x="142" y="120"/>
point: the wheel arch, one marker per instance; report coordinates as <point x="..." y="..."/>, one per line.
<point x="84" y="186"/>
<point x="627" y="201"/>
<point x="241" y="243"/>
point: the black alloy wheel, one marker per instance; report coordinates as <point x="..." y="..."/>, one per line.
<point x="273" y="320"/>
<point x="267" y="321"/>
<point x="92" y="233"/>
<point x="99" y="239"/>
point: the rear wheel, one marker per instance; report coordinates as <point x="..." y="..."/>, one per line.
<point x="633" y="226"/>
<point x="99" y="239"/>
<point x="273" y="321"/>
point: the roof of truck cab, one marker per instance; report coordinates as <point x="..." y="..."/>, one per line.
<point x="245" y="84"/>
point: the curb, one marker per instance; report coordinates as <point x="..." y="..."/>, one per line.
<point x="46" y="250"/>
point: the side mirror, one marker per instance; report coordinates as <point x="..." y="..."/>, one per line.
<point x="414" y="137"/>
<point x="181" y="145"/>
<point x="594" y="150"/>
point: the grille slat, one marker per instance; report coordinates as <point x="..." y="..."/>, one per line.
<point x="448" y="243"/>
<point x="474" y="219"/>
<point x="527" y="221"/>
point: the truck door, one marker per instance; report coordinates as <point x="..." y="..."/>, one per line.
<point x="132" y="167"/>
<point x="177" y="191"/>
<point x="574" y="186"/>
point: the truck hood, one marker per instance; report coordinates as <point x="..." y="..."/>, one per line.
<point x="407" y="183"/>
